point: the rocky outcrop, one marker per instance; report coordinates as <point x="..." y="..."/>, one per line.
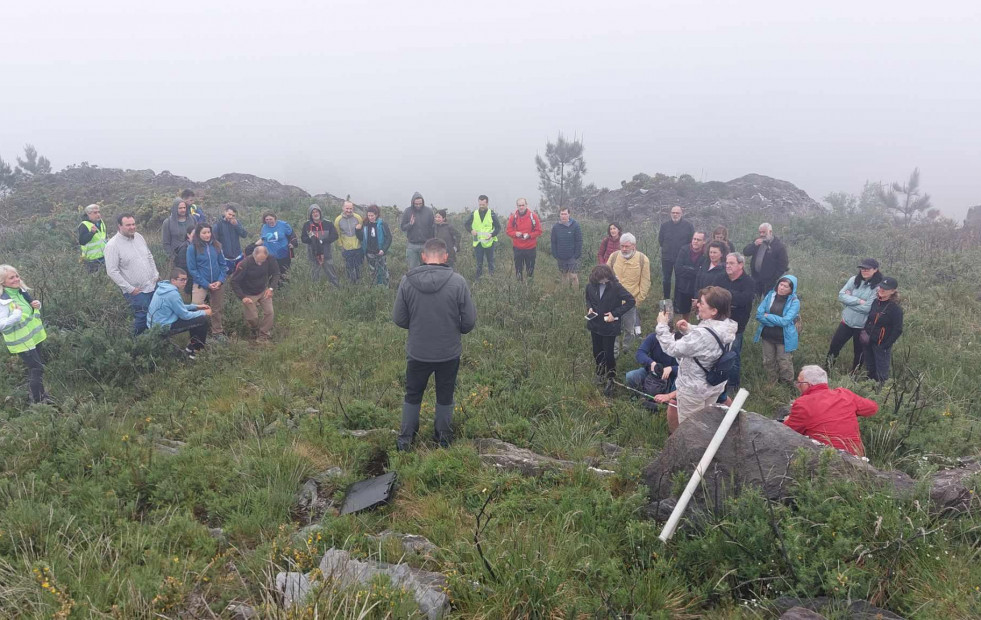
<point x="647" y="198"/>
<point x="856" y="610"/>
<point x="140" y="190"/>
<point x="758" y="451"/>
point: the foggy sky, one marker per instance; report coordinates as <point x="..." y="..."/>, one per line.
<point x="379" y="99"/>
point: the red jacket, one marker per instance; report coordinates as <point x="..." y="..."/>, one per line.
<point x="528" y="223"/>
<point x="608" y="246"/>
<point x="829" y="416"/>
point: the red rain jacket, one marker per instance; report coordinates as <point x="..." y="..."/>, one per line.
<point x="829" y="416"/>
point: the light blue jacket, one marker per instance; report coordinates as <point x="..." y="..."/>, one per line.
<point x="786" y="320"/>
<point x="850" y="296"/>
<point x="167" y="307"/>
<point x="206" y="267"/>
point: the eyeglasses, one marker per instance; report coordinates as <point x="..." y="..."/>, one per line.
<point x="801" y="383"/>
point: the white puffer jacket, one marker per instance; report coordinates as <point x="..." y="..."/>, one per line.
<point x="698" y="342"/>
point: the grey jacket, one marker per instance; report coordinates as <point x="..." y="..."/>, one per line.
<point x="424" y="227"/>
<point x="173" y="232"/>
<point x="433" y="302"/>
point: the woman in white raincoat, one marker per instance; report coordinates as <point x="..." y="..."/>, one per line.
<point x="694" y="392"/>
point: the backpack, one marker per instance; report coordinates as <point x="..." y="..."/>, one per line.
<point x="719" y="371"/>
<point x="534" y="220"/>
<point x="652" y="386"/>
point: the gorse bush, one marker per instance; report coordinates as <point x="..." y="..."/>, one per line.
<point x="118" y="526"/>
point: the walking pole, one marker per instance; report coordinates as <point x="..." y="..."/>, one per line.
<point x="696" y="478"/>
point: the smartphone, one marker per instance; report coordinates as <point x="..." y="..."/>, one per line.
<point x="591" y="315"/>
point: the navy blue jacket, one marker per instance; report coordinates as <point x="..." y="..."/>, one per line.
<point x="650" y="351"/>
<point x="567" y="240"/>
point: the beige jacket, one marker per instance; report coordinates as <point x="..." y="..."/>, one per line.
<point x="634" y="273"/>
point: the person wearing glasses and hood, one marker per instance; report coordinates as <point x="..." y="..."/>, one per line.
<point x="856" y="296"/>
<point x="776" y="315"/>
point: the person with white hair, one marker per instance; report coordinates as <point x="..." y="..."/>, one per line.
<point x="633" y="270"/>
<point x="92" y="239"/>
<point x="23" y="332"/>
<point x="768" y="259"/>
<point x="826" y="415"/>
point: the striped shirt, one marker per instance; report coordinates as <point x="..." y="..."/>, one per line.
<point x="130" y="265"/>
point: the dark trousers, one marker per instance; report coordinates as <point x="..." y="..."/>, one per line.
<point x="838" y="340"/>
<point x="877" y="362"/>
<point x="480" y="253"/>
<point x="603" y="353"/>
<point x="197" y="327"/>
<point x="667" y="268"/>
<point x="92" y="266"/>
<point x="417" y="377"/>
<point x="35" y="373"/>
<point x="352" y="263"/>
<point x="139" y="304"/>
<point x="284" y="263"/>
<point x="732" y="386"/>
<point x="525" y="260"/>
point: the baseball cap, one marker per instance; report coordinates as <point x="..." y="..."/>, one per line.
<point x="889" y="284"/>
<point x="868" y="263"/>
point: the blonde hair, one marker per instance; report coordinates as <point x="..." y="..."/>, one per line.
<point x="6" y="270"/>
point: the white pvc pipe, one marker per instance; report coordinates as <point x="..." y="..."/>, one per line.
<point x="696" y="478"/>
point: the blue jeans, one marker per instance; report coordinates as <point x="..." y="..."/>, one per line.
<point x="413" y="255"/>
<point x="139" y="304"/>
<point x="635" y="378"/>
<point x="479" y="253"/>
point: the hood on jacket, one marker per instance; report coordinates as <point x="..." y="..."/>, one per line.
<point x="165" y="287"/>
<point x="429" y="278"/>
<point x="793" y="283"/>
<point x="412" y="202"/>
<point x="173" y="212"/>
<point x="310" y="212"/>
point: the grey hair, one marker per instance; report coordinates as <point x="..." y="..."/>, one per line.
<point x="768" y="225"/>
<point x="6" y="270"/>
<point x="739" y="257"/>
<point x="92" y="207"/>
<point x="628" y="238"/>
<point x="813" y="374"/>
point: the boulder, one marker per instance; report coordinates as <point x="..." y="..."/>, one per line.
<point x="801" y="613"/>
<point x="509" y="457"/>
<point x="428" y="589"/>
<point x="293" y="588"/>
<point x="948" y="488"/>
<point x="737" y="463"/>
<point x="411" y="543"/>
<point x="856" y="610"/>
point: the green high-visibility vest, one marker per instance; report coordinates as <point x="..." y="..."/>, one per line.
<point x="484" y="228"/>
<point x="95" y="248"/>
<point x="26" y="333"/>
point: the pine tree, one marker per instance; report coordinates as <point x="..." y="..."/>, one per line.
<point x="560" y="173"/>
<point x="912" y="204"/>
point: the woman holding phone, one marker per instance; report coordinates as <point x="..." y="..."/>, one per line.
<point x="606" y="302"/>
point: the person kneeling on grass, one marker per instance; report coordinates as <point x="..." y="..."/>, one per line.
<point x="657" y="371"/>
<point x="168" y="309"/>
<point x="826" y="415"/>
<point x="254" y="281"/>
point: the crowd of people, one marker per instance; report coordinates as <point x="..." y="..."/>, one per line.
<point x="686" y="363"/>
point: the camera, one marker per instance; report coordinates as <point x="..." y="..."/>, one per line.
<point x="658" y="369"/>
<point x="665" y="305"/>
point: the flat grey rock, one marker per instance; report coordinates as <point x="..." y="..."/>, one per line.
<point x="292" y="587"/>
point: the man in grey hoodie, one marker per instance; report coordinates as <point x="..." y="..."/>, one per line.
<point x="433" y="302"/>
<point x="173" y="230"/>
<point x="419" y="225"/>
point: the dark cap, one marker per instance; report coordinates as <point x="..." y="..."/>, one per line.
<point x="888" y="284"/>
<point x="868" y="263"/>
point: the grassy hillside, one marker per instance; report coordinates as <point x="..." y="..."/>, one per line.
<point x="97" y="522"/>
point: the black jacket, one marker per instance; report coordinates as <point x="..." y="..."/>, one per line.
<point x="615" y="299"/>
<point x="709" y="277"/>
<point x="775" y="264"/>
<point x="251" y="278"/>
<point x="685" y="272"/>
<point x="674" y="236"/>
<point x="317" y="246"/>
<point x="885" y="323"/>
<point x="369" y="237"/>
<point x="743" y="292"/>
<point x="433" y="302"/>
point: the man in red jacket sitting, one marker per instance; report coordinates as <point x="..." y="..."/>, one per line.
<point x="827" y="415"/>
<point x="524" y="228"/>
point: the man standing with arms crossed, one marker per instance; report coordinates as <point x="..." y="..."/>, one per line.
<point x="92" y="238"/>
<point x="433" y="302"/>
<point x="524" y="228"/>
<point x="130" y="265"/>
